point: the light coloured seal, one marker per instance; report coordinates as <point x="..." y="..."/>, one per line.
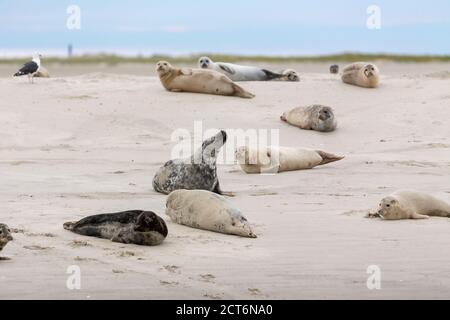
<point x="316" y="117"/>
<point x="208" y="211"/>
<point x="280" y="159"/>
<point x="42" y="73"/>
<point x="198" y="81"/>
<point x="5" y="237"/>
<point x="238" y="72"/>
<point x="361" y="74"/>
<point x="405" y="204"/>
<point x="196" y="172"/>
<point x="139" y="227"/>
<point x="290" y="75"/>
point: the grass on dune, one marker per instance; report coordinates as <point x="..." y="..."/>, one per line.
<point x="344" y="57"/>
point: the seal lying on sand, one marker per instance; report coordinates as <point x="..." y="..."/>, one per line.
<point x="280" y="159"/>
<point x="290" y="75"/>
<point x="361" y="74"/>
<point x="196" y="172"/>
<point x="315" y="117"/>
<point x="237" y="72"/>
<point x="208" y="211"/>
<point x="5" y="237"/>
<point x="198" y="81"/>
<point x="42" y="73"/>
<point x="334" y="69"/>
<point x="405" y="204"/>
<point x="138" y="227"/>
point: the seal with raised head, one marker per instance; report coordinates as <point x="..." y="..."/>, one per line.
<point x="334" y="69"/>
<point x="198" y="81"/>
<point x="5" y="237"/>
<point x="131" y="227"/>
<point x="361" y="74"/>
<point x="196" y="172"/>
<point x="280" y="159"/>
<point x="405" y="204"/>
<point x="238" y="72"/>
<point x="316" y="117"/>
<point x="290" y="75"/>
<point x="208" y="211"/>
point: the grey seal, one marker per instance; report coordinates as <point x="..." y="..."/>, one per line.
<point x="316" y="117"/>
<point x="136" y="226"/>
<point x="196" y="172"/>
<point x="334" y="69"/>
<point x="5" y="237"/>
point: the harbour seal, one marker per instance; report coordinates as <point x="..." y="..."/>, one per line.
<point x="280" y="159"/>
<point x="334" y="69"/>
<point x="5" y="237"/>
<point x="196" y="172"/>
<point x="361" y="74"/>
<point x="138" y="227"/>
<point x="198" y="81"/>
<point x="238" y="72"/>
<point x="208" y="211"/>
<point x="316" y="117"/>
<point x="290" y="75"/>
<point x="405" y="204"/>
<point x="42" y="73"/>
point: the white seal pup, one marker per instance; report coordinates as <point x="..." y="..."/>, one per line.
<point x="361" y="74"/>
<point x="237" y="72"/>
<point x="196" y="172"/>
<point x="5" y="237"/>
<point x="139" y="227"/>
<point x="208" y="211"/>
<point x="405" y="204"/>
<point x="280" y="159"/>
<point x="316" y="117"/>
<point x="30" y="68"/>
<point x="198" y="81"/>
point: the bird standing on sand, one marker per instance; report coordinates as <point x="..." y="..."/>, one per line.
<point x="5" y="237"/>
<point x="30" y="68"/>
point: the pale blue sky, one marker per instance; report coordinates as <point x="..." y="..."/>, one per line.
<point x="246" y="26"/>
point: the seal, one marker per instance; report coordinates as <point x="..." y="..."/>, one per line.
<point x="137" y="227"/>
<point x="42" y="73"/>
<point x="196" y="172"/>
<point x="361" y="74"/>
<point x="238" y="72"/>
<point x="405" y="204"/>
<point x="334" y="69"/>
<point x="290" y="75"/>
<point x="280" y="159"/>
<point x="5" y="237"/>
<point x="208" y="211"/>
<point x="198" y="81"/>
<point x="316" y="117"/>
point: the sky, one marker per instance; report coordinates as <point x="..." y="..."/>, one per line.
<point x="262" y="27"/>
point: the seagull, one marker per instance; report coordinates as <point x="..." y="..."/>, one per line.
<point x="30" y="68"/>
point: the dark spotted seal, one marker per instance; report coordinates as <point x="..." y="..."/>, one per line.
<point x="5" y="237"/>
<point x="138" y="227"/>
<point x="199" y="172"/>
<point x="334" y="69"/>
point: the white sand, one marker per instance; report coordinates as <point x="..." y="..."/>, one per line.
<point x="74" y="146"/>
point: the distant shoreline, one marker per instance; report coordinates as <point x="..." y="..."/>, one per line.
<point x="344" y="57"/>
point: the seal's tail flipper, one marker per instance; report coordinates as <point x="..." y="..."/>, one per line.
<point x="328" y="157"/>
<point x="69" y="225"/>
<point x="272" y="75"/>
<point x="240" y="92"/>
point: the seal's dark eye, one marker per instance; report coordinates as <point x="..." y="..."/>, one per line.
<point x="388" y="205"/>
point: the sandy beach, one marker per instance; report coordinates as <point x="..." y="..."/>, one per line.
<point x="89" y="140"/>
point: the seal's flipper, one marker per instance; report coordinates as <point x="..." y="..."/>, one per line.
<point x="226" y="68"/>
<point x="222" y="193"/>
<point x="240" y="92"/>
<point x="328" y="157"/>
<point x="272" y="75"/>
<point x="4" y="259"/>
<point x="419" y="216"/>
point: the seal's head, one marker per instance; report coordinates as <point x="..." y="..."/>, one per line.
<point x="390" y="209"/>
<point x="370" y="70"/>
<point x="240" y="226"/>
<point x="148" y="221"/>
<point x="204" y="62"/>
<point x="163" y="67"/>
<point x="334" y="69"/>
<point x="211" y="147"/>
<point x="5" y="235"/>
<point x="291" y="75"/>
